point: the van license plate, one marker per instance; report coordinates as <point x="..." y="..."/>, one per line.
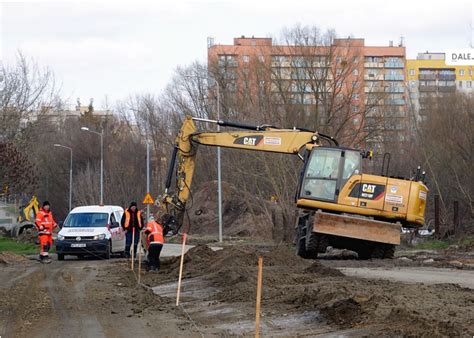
<point x="78" y="245"/>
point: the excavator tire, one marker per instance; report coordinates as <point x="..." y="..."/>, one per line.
<point x="370" y="250"/>
<point x="389" y="251"/>
<point x="304" y="238"/>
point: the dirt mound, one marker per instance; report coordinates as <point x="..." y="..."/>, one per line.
<point x="243" y="214"/>
<point x="343" y="311"/>
<point x="320" y="269"/>
<point x="4" y="232"/>
<point x="28" y="236"/>
<point x="11" y="258"/>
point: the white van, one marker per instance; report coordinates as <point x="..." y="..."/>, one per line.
<point x="92" y="230"/>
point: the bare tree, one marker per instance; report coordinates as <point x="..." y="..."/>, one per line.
<point x="25" y="90"/>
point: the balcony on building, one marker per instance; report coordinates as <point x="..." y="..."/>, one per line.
<point x="427" y="88"/>
<point x="427" y="77"/>
<point x="394" y="65"/>
<point x="374" y="89"/>
<point x="447" y="89"/>
<point x="375" y="77"/>
<point x="394" y="77"/>
<point x="447" y="77"/>
<point x="394" y="89"/>
<point x="394" y="102"/>
<point x="373" y="64"/>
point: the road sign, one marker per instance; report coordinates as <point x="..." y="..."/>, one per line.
<point x="148" y="199"/>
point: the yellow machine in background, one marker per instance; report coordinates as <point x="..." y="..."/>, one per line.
<point x="27" y="213"/>
<point x="340" y="206"/>
<point x="26" y="217"/>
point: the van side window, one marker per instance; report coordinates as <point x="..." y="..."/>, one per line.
<point x="112" y="218"/>
<point x="118" y="215"/>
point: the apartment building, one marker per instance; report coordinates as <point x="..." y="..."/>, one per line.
<point x="428" y="76"/>
<point x="371" y="77"/>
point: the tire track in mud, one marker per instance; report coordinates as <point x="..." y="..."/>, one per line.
<point x="66" y="288"/>
<point x="27" y="302"/>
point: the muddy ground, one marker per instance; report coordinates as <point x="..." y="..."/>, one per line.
<point x="300" y="298"/>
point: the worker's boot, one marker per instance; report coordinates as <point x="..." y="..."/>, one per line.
<point x="45" y="259"/>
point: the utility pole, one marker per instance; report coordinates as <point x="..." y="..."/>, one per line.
<point x="101" y="134"/>
<point x="147" y="166"/>
<point x="219" y="179"/>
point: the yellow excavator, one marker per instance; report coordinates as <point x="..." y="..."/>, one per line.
<point x="340" y="206"/>
<point x="26" y="217"/>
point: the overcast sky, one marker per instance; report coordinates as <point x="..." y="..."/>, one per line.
<point x="120" y="48"/>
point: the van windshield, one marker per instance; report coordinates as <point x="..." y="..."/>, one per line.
<point x="86" y="220"/>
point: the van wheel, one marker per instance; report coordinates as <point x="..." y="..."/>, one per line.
<point x="60" y="257"/>
<point x="109" y="251"/>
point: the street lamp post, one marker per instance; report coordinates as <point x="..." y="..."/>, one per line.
<point x="101" y="134"/>
<point x="70" y="174"/>
<point x="219" y="180"/>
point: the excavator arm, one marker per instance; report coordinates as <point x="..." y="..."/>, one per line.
<point x="254" y="138"/>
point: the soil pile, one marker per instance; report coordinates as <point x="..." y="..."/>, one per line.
<point x="243" y="214"/>
<point x="292" y="285"/>
<point x="7" y="258"/>
<point x="28" y="236"/>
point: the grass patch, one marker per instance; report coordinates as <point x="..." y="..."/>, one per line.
<point x="467" y="243"/>
<point x="433" y="244"/>
<point x="10" y="245"/>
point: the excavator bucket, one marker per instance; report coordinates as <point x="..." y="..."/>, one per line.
<point x="356" y="227"/>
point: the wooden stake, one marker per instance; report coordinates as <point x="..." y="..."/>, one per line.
<point x="140" y="258"/>
<point x="259" y="297"/>
<point x="181" y="270"/>
<point x="133" y="246"/>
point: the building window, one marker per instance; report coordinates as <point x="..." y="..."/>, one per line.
<point x="460" y="84"/>
<point x="338" y="71"/>
<point x="461" y="72"/>
<point x="355" y="72"/>
<point x="246" y="58"/>
<point x="355" y="59"/>
<point x="412" y="83"/>
<point x="338" y="59"/>
<point x="412" y="72"/>
<point x="261" y="58"/>
<point x="355" y="96"/>
<point x="355" y="84"/>
<point x="469" y="84"/>
<point x="470" y="72"/>
<point x="355" y="109"/>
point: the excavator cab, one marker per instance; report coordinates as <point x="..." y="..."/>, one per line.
<point x="327" y="171"/>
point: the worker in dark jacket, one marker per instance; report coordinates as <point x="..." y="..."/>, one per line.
<point x="132" y="223"/>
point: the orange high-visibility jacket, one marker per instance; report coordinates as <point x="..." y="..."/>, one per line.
<point x="154" y="230"/>
<point x="128" y="216"/>
<point x="45" y="219"/>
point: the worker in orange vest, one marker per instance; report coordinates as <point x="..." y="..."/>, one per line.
<point x="132" y="224"/>
<point x="45" y="224"/>
<point x="154" y="243"/>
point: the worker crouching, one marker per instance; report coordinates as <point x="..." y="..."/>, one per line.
<point x="154" y="243"/>
<point x="45" y="225"/>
